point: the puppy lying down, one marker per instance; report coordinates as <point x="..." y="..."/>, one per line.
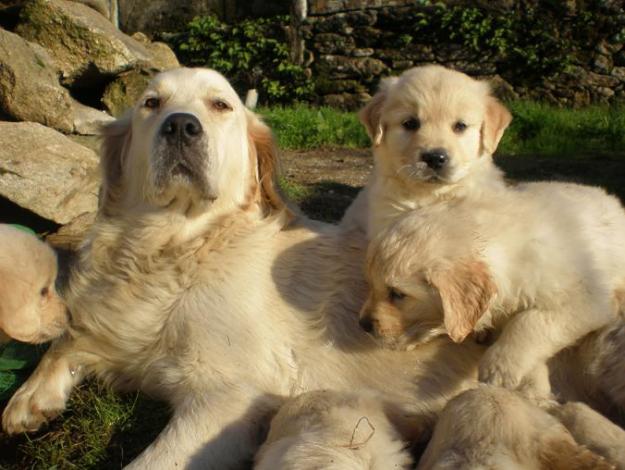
<point x="30" y="308"/>
<point x="542" y="264"/>
<point x="332" y="431"/>
<point x="493" y="428"/>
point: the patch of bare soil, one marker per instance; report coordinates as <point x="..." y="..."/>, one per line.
<point x="332" y="177"/>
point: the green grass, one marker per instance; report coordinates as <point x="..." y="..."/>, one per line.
<point x="99" y="430"/>
<point x="540" y="129"/>
<point x="303" y="127"/>
<point x="537" y="129"/>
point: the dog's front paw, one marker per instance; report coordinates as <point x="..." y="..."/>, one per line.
<point x="30" y="407"/>
<point x="498" y="368"/>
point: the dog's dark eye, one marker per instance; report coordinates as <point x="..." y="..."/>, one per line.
<point x="411" y="124"/>
<point x="152" y="103"/>
<point x="44" y="291"/>
<point x="221" y="105"/>
<point x="459" y="127"/>
<point x="395" y="295"/>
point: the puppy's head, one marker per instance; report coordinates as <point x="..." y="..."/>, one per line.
<point x="30" y="308"/>
<point x="433" y="124"/>
<point x="425" y="280"/>
<point x="189" y="142"/>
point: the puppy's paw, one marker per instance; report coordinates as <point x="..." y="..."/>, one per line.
<point x="500" y="369"/>
<point x="31" y="406"/>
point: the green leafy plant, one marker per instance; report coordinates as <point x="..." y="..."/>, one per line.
<point x="252" y="54"/>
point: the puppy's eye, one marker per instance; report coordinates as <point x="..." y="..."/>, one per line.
<point x="44" y="291"/>
<point x="221" y="105"/>
<point x="411" y="124"/>
<point x="395" y="295"/>
<point x="152" y="103"/>
<point x="459" y="127"/>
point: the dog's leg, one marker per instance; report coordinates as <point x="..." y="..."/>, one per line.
<point x="531" y="338"/>
<point x="211" y="430"/>
<point x="45" y="393"/>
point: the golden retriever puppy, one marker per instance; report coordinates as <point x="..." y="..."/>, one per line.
<point x="30" y="308"/>
<point x="433" y="131"/>
<point x="593" y="430"/>
<point x="333" y="431"/>
<point x="493" y="428"/>
<point x="197" y="286"/>
<point x="541" y="264"/>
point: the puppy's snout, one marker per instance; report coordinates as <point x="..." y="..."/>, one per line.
<point x="366" y="324"/>
<point x="181" y="127"/>
<point x="435" y="158"/>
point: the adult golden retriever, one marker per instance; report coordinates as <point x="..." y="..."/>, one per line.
<point x="196" y="285"/>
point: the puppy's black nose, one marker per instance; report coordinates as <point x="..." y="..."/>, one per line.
<point x="366" y="324"/>
<point x="181" y="127"/>
<point x="435" y="158"/>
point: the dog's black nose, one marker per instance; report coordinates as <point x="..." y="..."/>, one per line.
<point x="366" y="324"/>
<point x="435" y="158"/>
<point x="181" y="126"/>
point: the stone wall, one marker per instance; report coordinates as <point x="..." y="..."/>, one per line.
<point x="348" y="45"/>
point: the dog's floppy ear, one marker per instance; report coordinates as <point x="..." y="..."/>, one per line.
<point x="116" y="141"/>
<point x="496" y="120"/>
<point x="370" y="115"/>
<point x="466" y="290"/>
<point x="264" y="155"/>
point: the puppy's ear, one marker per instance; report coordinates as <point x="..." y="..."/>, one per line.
<point x="466" y="291"/>
<point x="116" y="141"/>
<point x="264" y="155"/>
<point x="496" y="121"/>
<point x="370" y="115"/>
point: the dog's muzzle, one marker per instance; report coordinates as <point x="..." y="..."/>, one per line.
<point x="181" y="151"/>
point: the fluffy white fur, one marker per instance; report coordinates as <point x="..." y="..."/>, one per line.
<point x="200" y="291"/>
<point x="493" y="428"/>
<point x="541" y="263"/>
<point x="455" y="114"/>
<point x="333" y="431"/>
<point x="30" y="308"/>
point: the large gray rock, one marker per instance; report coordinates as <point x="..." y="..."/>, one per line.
<point x="29" y="85"/>
<point x="85" y="45"/>
<point x="122" y="93"/>
<point x="46" y="173"/>
<point x="87" y="120"/>
<point x="161" y="55"/>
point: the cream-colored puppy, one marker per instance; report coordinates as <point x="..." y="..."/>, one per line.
<point x="543" y="264"/>
<point x="434" y="131"/>
<point x="593" y="430"/>
<point x="30" y="308"/>
<point x="330" y="430"/>
<point x="493" y="428"/>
